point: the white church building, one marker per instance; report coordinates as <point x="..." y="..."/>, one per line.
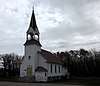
<point x="39" y="64"/>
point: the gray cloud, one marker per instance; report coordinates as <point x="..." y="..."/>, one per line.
<point x="79" y="28"/>
<point x="91" y="43"/>
<point x="63" y="24"/>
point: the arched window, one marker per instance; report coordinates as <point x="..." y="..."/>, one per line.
<point x="29" y="57"/>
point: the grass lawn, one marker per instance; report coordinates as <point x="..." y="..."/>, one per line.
<point x="8" y="79"/>
<point x="88" y="81"/>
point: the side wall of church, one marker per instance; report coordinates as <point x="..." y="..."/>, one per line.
<point x="55" y="70"/>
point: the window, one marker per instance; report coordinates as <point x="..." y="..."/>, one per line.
<point x="59" y="68"/>
<point x="51" y="68"/>
<point x="45" y="74"/>
<point x="29" y="57"/>
<point x="55" y="69"/>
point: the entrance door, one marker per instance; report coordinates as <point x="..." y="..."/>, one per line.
<point x="29" y="72"/>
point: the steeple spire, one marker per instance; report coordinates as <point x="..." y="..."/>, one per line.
<point x="33" y="29"/>
<point x="33" y="21"/>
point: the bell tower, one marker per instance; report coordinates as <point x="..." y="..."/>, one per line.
<point x="33" y="32"/>
<point x="31" y="48"/>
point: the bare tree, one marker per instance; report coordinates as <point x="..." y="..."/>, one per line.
<point x="11" y="63"/>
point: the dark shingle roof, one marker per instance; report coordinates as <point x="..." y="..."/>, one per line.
<point x="50" y="57"/>
<point x="40" y="69"/>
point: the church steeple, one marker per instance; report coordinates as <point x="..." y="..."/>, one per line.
<point x="33" y="32"/>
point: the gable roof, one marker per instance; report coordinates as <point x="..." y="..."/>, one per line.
<point x="40" y="69"/>
<point x="50" y="57"/>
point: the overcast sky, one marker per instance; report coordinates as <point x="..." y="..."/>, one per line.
<point x="63" y="24"/>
